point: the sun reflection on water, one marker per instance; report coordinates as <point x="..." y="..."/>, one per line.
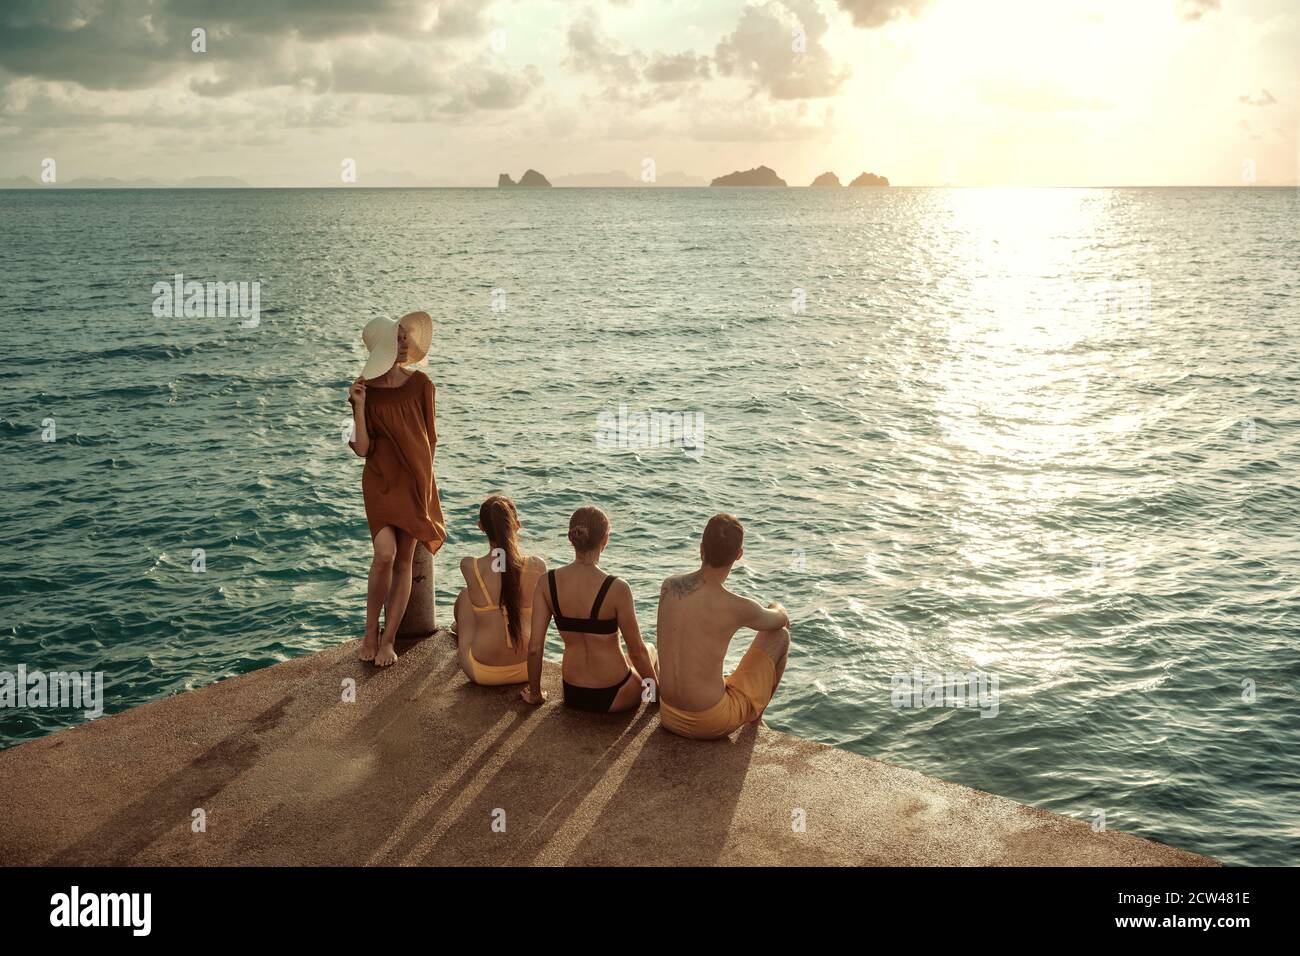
<point x="1020" y="328"/>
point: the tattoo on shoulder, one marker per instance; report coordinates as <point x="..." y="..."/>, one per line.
<point x="682" y="585"/>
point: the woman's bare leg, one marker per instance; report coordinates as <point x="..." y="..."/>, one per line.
<point x="399" y="592"/>
<point x="632" y="693"/>
<point x="381" y="574"/>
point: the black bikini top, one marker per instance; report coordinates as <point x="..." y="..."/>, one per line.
<point x="584" y="625"/>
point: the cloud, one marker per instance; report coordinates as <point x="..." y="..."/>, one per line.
<point x="626" y="74"/>
<point x="1265" y="98"/>
<point x="311" y="20"/>
<point x="105" y="48"/>
<point x="463" y="18"/>
<point x="591" y="52"/>
<point x="778" y="48"/>
<point x="677" y="68"/>
<point x="35" y="105"/>
<point x="489" y="89"/>
<point x="312" y="44"/>
<point x="106" y="62"/>
<point x="876" y="13"/>
<point x="1195" y="9"/>
<point x="753" y="121"/>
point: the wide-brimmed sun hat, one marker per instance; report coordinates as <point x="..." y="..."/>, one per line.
<point x="380" y="336"/>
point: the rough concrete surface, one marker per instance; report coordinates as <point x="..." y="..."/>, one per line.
<point x="416" y="770"/>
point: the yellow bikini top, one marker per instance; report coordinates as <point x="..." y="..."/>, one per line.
<point x="483" y="587"/>
<point x="496" y="606"/>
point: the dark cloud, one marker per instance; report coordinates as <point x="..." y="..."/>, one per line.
<point x="134" y="44"/>
<point x="328" y="50"/>
<point x="114" y="45"/>
<point x="876" y="13"/>
<point x="310" y="19"/>
<point x="778" y="48"/>
<point x="391" y="68"/>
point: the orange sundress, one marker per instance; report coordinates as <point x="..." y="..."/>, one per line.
<point x="398" y="483"/>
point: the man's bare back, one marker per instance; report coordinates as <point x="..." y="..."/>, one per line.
<point x="697" y="619"/>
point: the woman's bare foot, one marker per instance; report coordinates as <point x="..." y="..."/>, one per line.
<point x="368" y="649"/>
<point x="386" y="655"/>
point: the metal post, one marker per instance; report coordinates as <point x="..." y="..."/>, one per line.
<point x="419" y="620"/>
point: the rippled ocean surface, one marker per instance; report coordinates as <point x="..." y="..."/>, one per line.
<point x="1046" y="435"/>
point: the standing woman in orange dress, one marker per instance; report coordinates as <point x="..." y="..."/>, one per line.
<point x="393" y="414"/>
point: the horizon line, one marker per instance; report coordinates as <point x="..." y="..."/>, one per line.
<point x="126" y="187"/>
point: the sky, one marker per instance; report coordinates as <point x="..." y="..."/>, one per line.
<point x="454" y="92"/>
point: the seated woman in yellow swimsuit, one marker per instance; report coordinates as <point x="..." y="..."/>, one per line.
<point x="491" y="616"/>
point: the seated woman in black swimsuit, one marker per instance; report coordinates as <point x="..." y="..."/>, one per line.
<point x="598" y="676"/>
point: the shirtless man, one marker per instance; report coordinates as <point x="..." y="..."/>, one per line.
<point x="697" y="619"/>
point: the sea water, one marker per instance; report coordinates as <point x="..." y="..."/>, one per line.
<point x="1044" y="441"/>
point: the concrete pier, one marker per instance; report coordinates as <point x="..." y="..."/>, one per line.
<point x="425" y="768"/>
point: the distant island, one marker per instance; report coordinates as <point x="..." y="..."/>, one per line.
<point x="866" y="179"/>
<point x="617" y="178"/>
<point x="764" y="176"/>
<point x="109" y="182"/>
<point x="530" y="179"/>
<point x="758" y="176"/>
<point x="870" y="179"/>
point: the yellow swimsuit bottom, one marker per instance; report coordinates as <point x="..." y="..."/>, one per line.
<point x="490" y="674"/>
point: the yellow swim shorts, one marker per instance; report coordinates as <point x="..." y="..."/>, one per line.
<point x="748" y="690"/>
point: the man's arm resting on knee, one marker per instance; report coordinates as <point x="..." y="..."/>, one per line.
<point x="771" y="618"/>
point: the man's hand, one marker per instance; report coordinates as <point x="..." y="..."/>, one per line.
<point x="778" y="606"/>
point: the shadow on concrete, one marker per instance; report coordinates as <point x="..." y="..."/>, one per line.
<point x="675" y="804"/>
<point x="527" y="791"/>
<point x="131" y="830"/>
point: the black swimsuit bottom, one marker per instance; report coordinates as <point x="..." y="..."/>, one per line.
<point x="596" y="700"/>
